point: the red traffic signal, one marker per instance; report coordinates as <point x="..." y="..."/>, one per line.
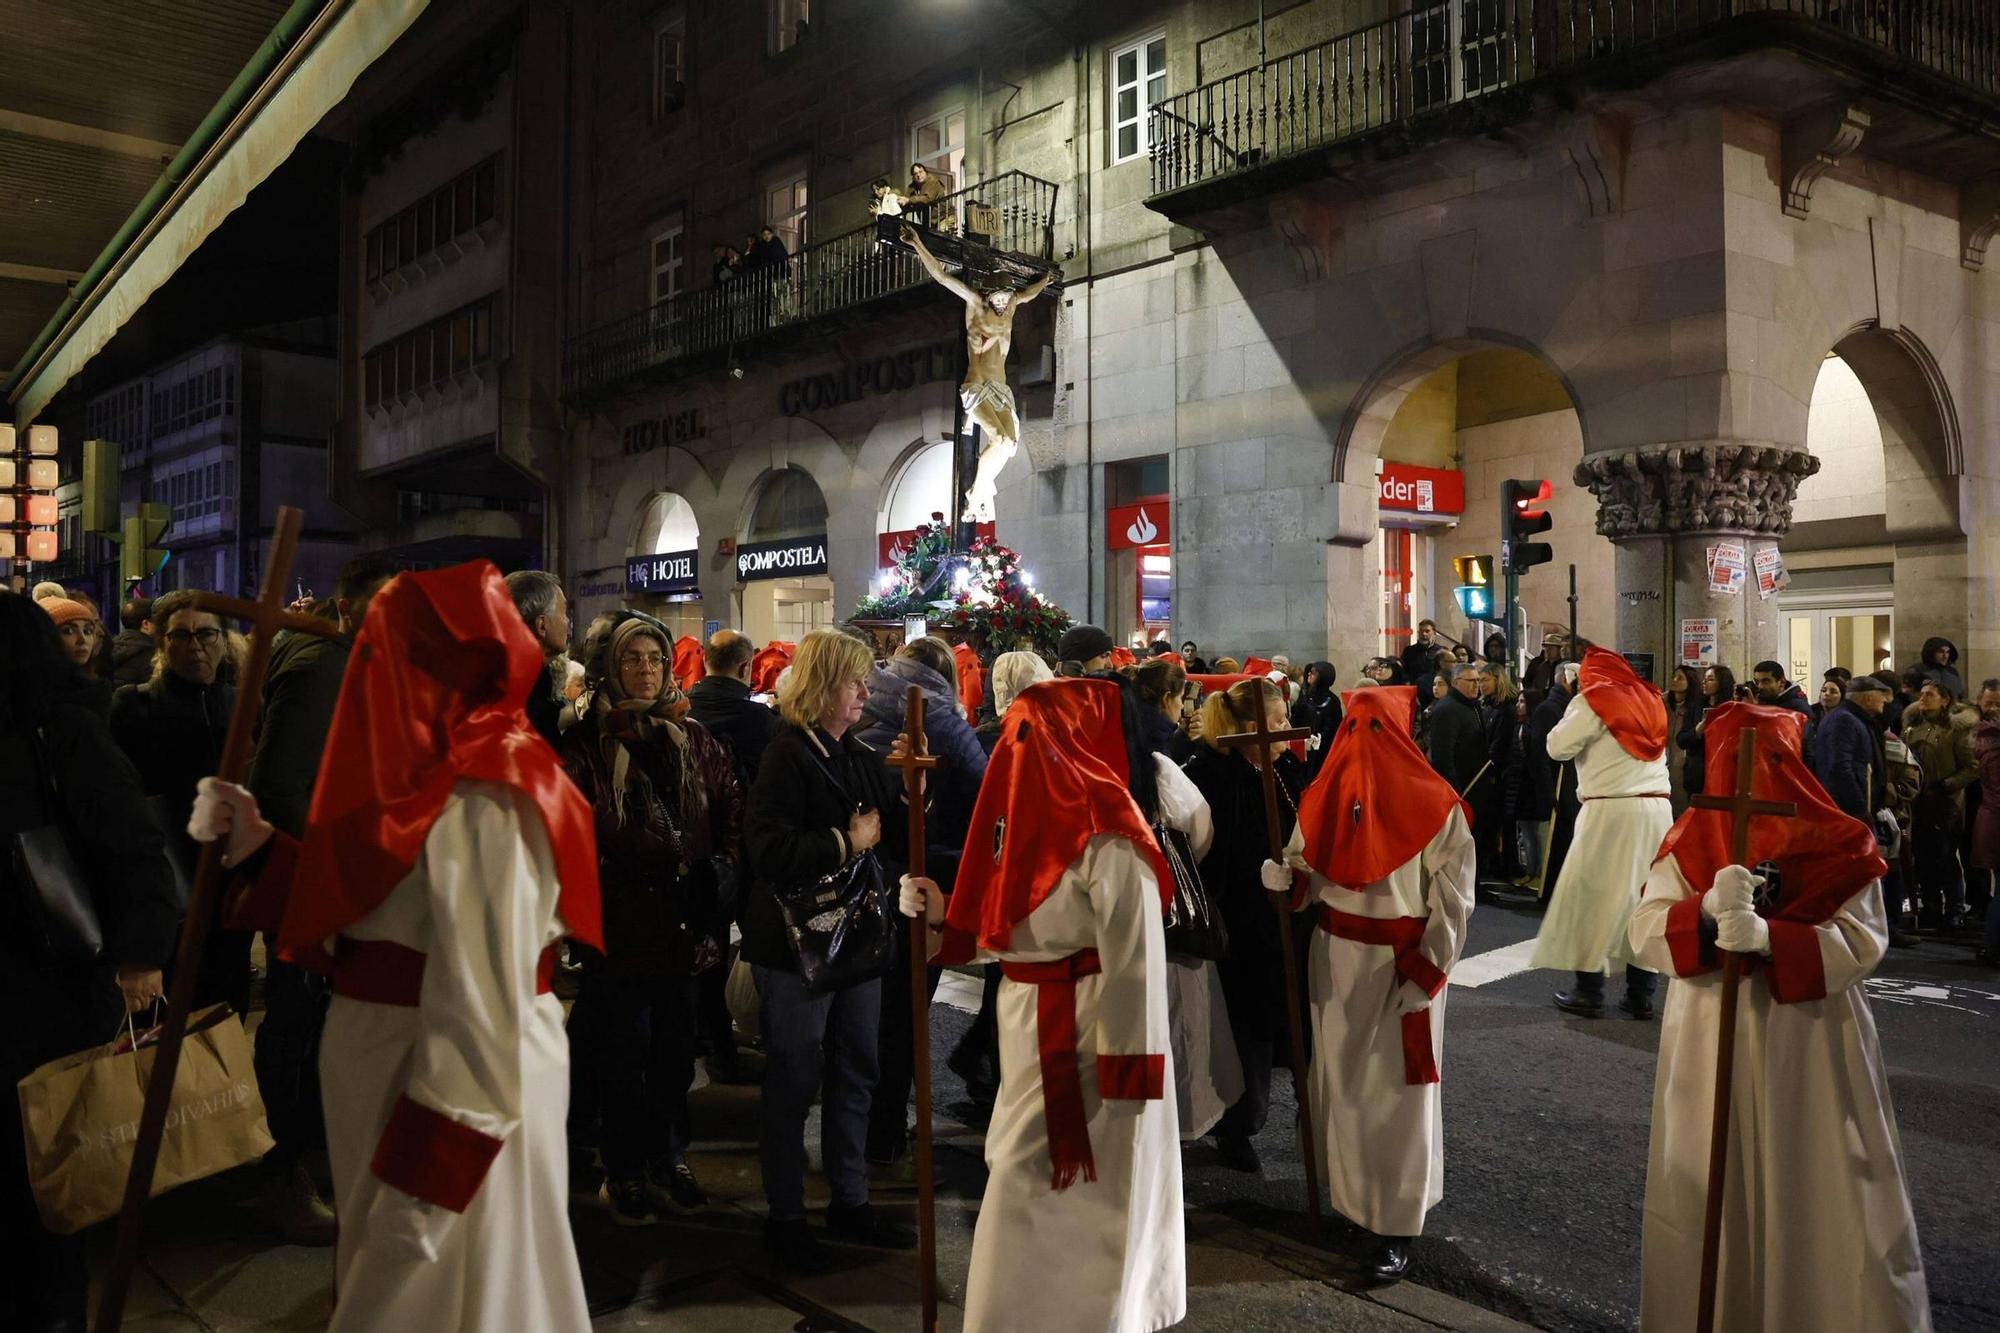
<point x="1524" y="515"/>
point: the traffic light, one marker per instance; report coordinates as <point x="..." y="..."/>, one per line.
<point x="138" y="558"/>
<point x="1475" y="585"/>
<point x="1524" y="514"/>
<point x="100" y="486"/>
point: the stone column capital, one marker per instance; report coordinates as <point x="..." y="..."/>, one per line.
<point x="1719" y="486"/>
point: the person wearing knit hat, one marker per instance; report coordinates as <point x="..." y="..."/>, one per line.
<point x="77" y="626"/>
<point x="45" y="590"/>
<point x="1087" y="647"/>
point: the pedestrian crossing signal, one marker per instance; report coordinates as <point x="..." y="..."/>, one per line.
<point x="1475" y="600"/>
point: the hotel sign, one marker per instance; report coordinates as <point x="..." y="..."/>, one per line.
<point x="794" y="557"/>
<point x="668" y="571"/>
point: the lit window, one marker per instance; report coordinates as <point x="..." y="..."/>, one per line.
<point x="785" y="207"/>
<point x="791" y="22"/>
<point x="939" y="143"/>
<point x="1138" y="84"/>
<point x="669" y="264"/>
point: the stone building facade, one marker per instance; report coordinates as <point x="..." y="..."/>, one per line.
<point x="1307" y="270"/>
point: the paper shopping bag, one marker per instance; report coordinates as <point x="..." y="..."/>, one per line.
<point x="80" y="1120"/>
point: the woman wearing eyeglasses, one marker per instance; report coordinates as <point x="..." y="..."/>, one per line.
<point x="172" y="728"/>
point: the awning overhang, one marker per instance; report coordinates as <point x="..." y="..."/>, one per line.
<point x="314" y="54"/>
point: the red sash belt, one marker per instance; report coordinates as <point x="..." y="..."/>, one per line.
<point x="384" y="972"/>
<point x="1403" y="934"/>
<point x="1062" y="1078"/>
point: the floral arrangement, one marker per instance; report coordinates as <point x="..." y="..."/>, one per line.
<point x="988" y="596"/>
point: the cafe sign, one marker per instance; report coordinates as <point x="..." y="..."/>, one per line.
<point x="667" y="571"/>
<point x="792" y="558"/>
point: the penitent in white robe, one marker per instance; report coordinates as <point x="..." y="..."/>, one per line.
<point x="1381" y="1137"/>
<point x="1816" y="1225"/>
<point x="1208" y="1072"/>
<point x="1618" y="834"/>
<point x="1106" y="1255"/>
<point x="485" y="1053"/>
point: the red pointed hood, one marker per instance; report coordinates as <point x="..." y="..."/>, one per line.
<point x="1058" y="778"/>
<point x="1629" y="707"/>
<point x="1823" y="855"/>
<point x="767" y="665"/>
<point x="689" y="665"/>
<point x="433" y="694"/>
<point x="971" y="680"/>
<point x="1377" y="802"/>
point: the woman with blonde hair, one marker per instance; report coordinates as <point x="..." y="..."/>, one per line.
<point x="820" y="800"/>
<point x="1230" y="780"/>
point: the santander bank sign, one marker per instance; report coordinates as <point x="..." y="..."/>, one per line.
<point x="1409" y="489"/>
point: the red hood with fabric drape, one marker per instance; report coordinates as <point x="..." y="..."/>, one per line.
<point x="1630" y="708"/>
<point x="1377" y="802"/>
<point x="769" y="663"/>
<point x="433" y="695"/>
<point x="689" y="665"/>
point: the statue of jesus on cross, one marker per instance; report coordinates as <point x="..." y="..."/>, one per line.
<point x="989" y="403"/>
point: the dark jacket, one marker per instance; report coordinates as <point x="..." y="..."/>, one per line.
<point x="293" y="719"/>
<point x="1694" y="772"/>
<point x="1253" y="973"/>
<point x="667" y="883"/>
<point x="1947" y="674"/>
<point x="1319" y="709"/>
<point x="544" y="709"/>
<point x="131" y="658"/>
<point x="1849" y="761"/>
<point x="173" y="733"/>
<point x="1502" y="730"/>
<point x="1420" y="663"/>
<point x="1457" y="740"/>
<point x="1986" y="820"/>
<point x="1540" y="673"/>
<point x="795" y="826"/>
<point x="723" y="705"/>
<point x="954" y="783"/>
<point x="1537" y="799"/>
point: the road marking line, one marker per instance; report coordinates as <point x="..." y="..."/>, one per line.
<point x="1494" y="965"/>
<point x="959" y="991"/>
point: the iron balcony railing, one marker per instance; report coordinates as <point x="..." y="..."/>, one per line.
<point x="828" y="276"/>
<point x="1441" y="54"/>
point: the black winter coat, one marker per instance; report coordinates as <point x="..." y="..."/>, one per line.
<point x="1694" y="773"/>
<point x="954" y="784"/>
<point x="1537" y="799"/>
<point x="1850" y="762"/>
<point x="293" y="719"/>
<point x="131" y="658"/>
<point x="173" y="733"/>
<point x="1322" y="712"/>
<point x="723" y="705"/>
<point x="1458" y="746"/>
<point x="795" y="826"/>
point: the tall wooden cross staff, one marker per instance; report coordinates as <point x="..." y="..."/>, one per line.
<point x="913" y="762"/>
<point x="1263" y="738"/>
<point x="267" y="615"/>
<point x="1742" y="807"/>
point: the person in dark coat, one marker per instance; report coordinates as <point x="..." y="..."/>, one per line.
<point x="1458" y="748"/>
<point x="172" y="728"/>
<point x="1540" y="675"/>
<point x="545" y="610"/>
<point x="669" y="817"/>
<point x="721" y="701"/>
<point x="1718" y="687"/>
<point x="1192" y="660"/>
<point x="1775" y="689"/>
<point x="1553" y="784"/>
<point x="822" y="799"/>
<point x="1422" y="658"/>
<point x="59" y="765"/>
<point x="1495" y="838"/>
<point x="1939" y="663"/>
<point x="1318" y="707"/>
<point x="132" y="650"/>
<point x="1253" y="973"/>
<point x="1985" y="851"/>
<point x="1850" y="761"/>
<point x="952" y="789"/>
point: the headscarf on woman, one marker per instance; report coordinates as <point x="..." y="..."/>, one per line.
<point x="626" y="722"/>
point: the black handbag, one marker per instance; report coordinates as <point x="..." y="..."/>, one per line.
<point x="841" y="926"/>
<point x="61" y="909"/>
<point x="1194" y="927"/>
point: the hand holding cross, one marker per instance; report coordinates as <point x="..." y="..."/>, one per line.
<point x="1264" y="740"/>
<point x="1742" y="808"/>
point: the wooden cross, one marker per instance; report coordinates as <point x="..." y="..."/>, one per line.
<point x="1263" y="738"/>
<point x="267" y="615"/>
<point x="1742" y="808"/>
<point x="913" y="761"/>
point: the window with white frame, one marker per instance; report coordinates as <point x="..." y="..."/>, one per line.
<point x="1138" y="84"/>
<point x="939" y="143"/>
<point x="669" y="263"/>
<point x="785" y="206"/>
<point x="670" y="63"/>
<point x="791" y="22"/>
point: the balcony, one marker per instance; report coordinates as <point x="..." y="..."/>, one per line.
<point x="821" y="280"/>
<point x="1465" y="66"/>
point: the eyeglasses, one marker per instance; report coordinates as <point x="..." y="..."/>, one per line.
<point x="653" y="661"/>
<point x="205" y="636"/>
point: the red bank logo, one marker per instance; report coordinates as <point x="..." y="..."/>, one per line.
<point x="1143" y="530"/>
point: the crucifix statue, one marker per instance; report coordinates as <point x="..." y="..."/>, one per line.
<point x="1742" y="807"/>
<point x="989" y="403"/>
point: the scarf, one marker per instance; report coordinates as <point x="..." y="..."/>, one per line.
<point x="625" y="724"/>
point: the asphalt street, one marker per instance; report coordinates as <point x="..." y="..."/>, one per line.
<point x="1546" y="1124"/>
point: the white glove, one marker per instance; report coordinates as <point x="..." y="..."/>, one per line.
<point x="1735" y="890"/>
<point x="408" y="1226"/>
<point x="921" y="897"/>
<point x="1410" y="998"/>
<point x="227" y="811"/>
<point x="1277" y="877"/>
<point x="1742" y="932"/>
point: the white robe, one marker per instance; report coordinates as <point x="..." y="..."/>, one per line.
<point x="485" y="1052"/>
<point x="1615" y="843"/>
<point x="1381" y="1138"/>
<point x="1108" y="1254"/>
<point x="1208" y="1072"/>
<point x="1816" y="1225"/>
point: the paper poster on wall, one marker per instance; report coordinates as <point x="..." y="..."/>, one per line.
<point x="1698" y="642"/>
<point x="1727" y="565"/>
<point x="1770" y="572"/>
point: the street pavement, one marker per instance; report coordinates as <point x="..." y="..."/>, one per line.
<point x="1546" y="1122"/>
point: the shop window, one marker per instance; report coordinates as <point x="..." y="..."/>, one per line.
<point x="670" y="65"/>
<point x="1138" y="84"/>
<point x="791" y="24"/>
